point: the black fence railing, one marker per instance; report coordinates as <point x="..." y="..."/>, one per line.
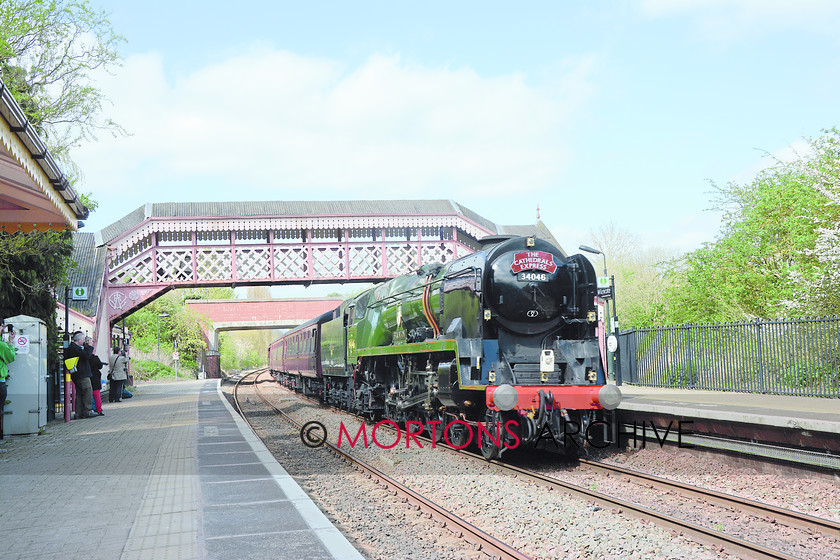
<point x="786" y="356"/>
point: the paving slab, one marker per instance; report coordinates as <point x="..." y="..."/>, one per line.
<point x="172" y="473"/>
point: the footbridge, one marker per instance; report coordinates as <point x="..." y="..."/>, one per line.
<point x="162" y="246"/>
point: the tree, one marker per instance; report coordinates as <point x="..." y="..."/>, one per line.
<point x="48" y="51"/>
<point x="249" y="348"/>
<point x="180" y="323"/>
<point x="638" y="270"/>
<point x="31" y="265"/>
<point x="819" y="293"/>
<point x="767" y="249"/>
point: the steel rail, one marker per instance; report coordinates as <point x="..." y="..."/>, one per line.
<point x="698" y="532"/>
<point x="785" y="516"/>
<point x="460" y="527"/>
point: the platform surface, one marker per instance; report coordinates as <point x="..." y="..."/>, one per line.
<point x="806" y="413"/>
<point x="172" y="473"/>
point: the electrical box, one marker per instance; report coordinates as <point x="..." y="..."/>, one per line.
<point x="27" y="382"/>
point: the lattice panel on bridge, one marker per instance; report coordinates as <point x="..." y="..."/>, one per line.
<point x="402" y="259"/>
<point x="138" y="272"/>
<point x="440" y="253"/>
<point x="328" y="262"/>
<point x="290" y="263"/>
<point x="213" y="264"/>
<point x="174" y="265"/>
<point x="252" y="264"/>
<point x="365" y="261"/>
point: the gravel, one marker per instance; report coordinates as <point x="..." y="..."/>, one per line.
<point x="806" y="492"/>
<point x="376" y="523"/>
<point x="539" y="523"/>
<point x="805" y="544"/>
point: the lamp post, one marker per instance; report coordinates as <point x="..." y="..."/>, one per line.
<point x="157" y="323"/>
<point x="611" y="365"/>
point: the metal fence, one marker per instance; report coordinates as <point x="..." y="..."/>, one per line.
<point x="789" y="356"/>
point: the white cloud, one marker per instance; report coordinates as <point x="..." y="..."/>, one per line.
<point x="284" y="126"/>
<point x="727" y="20"/>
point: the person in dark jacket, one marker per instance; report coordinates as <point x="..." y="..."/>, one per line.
<point x="95" y="377"/>
<point x="81" y="377"/>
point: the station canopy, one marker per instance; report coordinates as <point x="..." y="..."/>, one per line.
<point x="34" y="193"/>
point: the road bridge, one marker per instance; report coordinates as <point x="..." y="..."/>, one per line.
<point x="242" y="314"/>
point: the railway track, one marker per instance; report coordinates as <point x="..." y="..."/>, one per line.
<point x="782" y="515"/>
<point x="712" y="536"/>
<point x="459" y="527"/>
<point x="706" y="535"/>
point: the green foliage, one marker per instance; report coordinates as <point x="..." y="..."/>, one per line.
<point x="638" y="271"/>
<point x="220" y="292"/>
<point x="149" y="369"/>
<point x="149" y="329"/>
<point x="48" y="51"/>
<point x="819" y="293"/>
<point x="88" y="200"/>
<point x="31" y="266"/>
<point x="764" y="253"/>
<point x="245" y="349"/>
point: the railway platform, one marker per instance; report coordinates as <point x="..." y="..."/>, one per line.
<point x="171" y="473"/>
<point x="807" y="423"/>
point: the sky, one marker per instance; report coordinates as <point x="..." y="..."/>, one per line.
<point x="600" y="113"/>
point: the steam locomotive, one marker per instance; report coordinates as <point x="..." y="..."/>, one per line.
<point x="499" y="346"/>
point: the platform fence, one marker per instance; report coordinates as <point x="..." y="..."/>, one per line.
<point x="784" y="356"/>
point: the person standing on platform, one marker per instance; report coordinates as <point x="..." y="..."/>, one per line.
<point x="117" y="374"/>
<point x="95" y="377"/>
<point x="7" y="356"/>
<point x="81" y="377"/>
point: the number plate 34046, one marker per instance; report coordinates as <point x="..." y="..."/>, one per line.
<point x="533" y="277"/>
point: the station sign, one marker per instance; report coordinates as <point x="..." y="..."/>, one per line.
<point x="604" y="287"/>
<point x="80" y="293"/>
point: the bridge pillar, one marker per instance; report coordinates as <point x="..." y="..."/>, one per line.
<point x="213" y="339"/>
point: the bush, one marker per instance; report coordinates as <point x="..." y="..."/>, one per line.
<point x="148" y="370"/>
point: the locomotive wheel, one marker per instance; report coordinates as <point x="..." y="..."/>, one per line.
<point x="438" y="434"/>
<point x="458" y="435"/>
<point x="489" y="449"/>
